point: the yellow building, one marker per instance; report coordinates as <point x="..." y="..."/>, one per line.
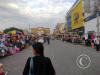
<point x="40" y="31"/>
<point x="75" y="17"/>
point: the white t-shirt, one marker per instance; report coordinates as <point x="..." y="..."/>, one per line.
<point x="96" y="41"/>
<point x="41" y="40"/>
<point x="86" y="37"/>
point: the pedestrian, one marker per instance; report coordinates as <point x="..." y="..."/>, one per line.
<point x="39" y="64"/>
<point x="97" y="43"/>
<point x="92" y="43"/>
<point x="86" y="39"/>
<point x="48" y="40"/>
<point x="27" y="40"/>
<point x="41" y="40"/>
<point x="44" y="37"/>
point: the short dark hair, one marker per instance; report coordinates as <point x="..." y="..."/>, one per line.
<point x="39" y="48"/>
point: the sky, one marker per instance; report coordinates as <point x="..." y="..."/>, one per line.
<point x="36" y="13"/>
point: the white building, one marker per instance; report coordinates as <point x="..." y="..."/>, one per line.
<point x="91" y="15"/>
<point x="91" y="26"/>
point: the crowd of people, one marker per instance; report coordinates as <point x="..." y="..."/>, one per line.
<point x="41" y="38"/>
<point x="92" y="40"/>
<point x="75" y="38"/>
<point x="87" y="39"/>
<point x="12" y="44"/>
<point x="72" y="38"/>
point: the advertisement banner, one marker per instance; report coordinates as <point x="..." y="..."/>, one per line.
<point x="69" y="22"/>
<point x="77" y="17"/>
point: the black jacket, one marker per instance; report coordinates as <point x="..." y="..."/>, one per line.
<point x="42" y="66"/>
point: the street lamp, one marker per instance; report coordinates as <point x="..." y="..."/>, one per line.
<point x="29" y="28"/>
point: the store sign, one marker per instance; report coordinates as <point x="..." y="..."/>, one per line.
<point x="69" y="22"/>
<point x="77" y="17"/>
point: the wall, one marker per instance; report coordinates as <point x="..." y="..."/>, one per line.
<point x="91" y="25"/>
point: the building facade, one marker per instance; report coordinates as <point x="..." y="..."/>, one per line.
<point x="75" y="17"/>
<point x="82" y="17"/>
<point x="91" y="9"/>
<point x="60" y="28"/>
<point x="40" y="31"/>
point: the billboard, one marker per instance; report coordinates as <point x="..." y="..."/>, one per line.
<point x="69" y="22"/>
<point x="77" y="17"/>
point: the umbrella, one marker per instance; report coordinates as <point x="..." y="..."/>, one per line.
<point x="18" y="32"/>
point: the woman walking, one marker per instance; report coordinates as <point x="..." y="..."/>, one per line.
<point x="39" y="64"/>
<point x="97" y="43"/>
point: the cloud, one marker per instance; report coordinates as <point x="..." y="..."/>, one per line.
<point x="35" y="12"/>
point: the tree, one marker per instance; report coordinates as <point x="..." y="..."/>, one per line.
<point x="12" y="29"/>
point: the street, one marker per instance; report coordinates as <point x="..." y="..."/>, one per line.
<point x="63" y="56"/>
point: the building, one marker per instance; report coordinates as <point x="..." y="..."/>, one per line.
<point x="40" y="31"/>
<point x="91" y="9"/>
<point x="59" y="29"/>
<point x="55" y="33"/>
<point x="82" y="17"/>
<point x="75" y="17"/>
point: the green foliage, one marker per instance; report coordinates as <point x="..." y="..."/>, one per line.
<point x="12" y="29"/>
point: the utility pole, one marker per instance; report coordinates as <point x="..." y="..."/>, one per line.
<point x="98" y="32"/>
<point x="29" y="28"/>
<point x="96" y="7"/>
<point x="97" y="15"/>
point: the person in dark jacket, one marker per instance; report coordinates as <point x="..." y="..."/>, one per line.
<point x="42" y="65"/>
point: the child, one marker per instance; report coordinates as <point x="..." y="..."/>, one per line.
<point x="1" y="69"/>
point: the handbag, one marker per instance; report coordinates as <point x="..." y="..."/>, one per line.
<point x="31" y="67"/>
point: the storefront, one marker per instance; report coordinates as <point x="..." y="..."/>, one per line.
<point x="79" y="31"/>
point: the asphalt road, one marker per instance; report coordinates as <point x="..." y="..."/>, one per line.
<point x="63" y="56"/>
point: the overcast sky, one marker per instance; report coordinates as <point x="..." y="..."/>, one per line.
<point x="21" y="13"/>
